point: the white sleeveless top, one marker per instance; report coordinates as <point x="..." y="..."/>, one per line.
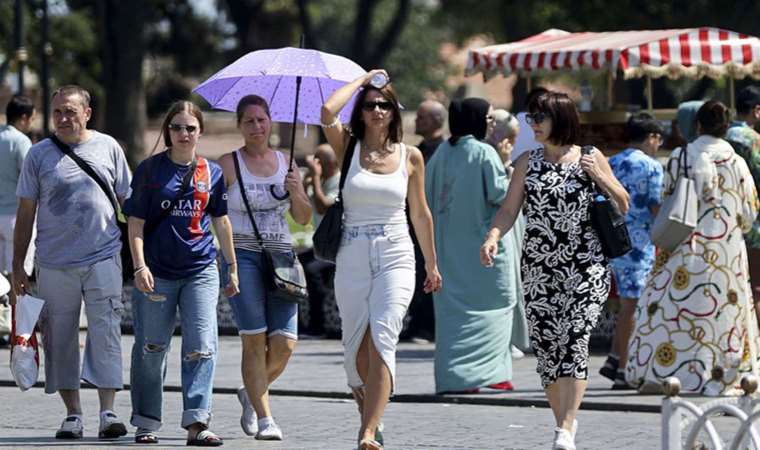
<point x="268" y="208"/>
<point x="373" y="198"/>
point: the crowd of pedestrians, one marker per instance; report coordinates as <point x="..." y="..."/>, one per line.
<point x="484" y="237"/>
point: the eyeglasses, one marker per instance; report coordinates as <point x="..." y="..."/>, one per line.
<point x="177" y="127"/>
<point x="535" y="118"/>
<point x="370" y="106"/>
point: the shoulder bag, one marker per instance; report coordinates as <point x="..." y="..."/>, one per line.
<point x="284" y="274"/>
<point x="608" y="222"/>
<point x="678" y="215"/>
<point x="330" y="231"/>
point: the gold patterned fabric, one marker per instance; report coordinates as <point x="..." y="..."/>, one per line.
<point x="695" y="319"/>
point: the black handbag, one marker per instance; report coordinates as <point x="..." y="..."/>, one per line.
<point x="283" y="272"/>
<point x="609" y="224"/>
<point x="327" y="237"/>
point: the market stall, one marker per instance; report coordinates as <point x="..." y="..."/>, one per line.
<point x="692" y="52"/>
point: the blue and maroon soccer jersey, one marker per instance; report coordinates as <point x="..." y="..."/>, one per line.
<point x="182" y="244"/>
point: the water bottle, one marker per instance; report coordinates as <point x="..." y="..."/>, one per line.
<point x="379" y="80"/>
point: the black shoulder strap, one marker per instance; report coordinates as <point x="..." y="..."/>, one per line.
<point x="348" y="155"/>
<point x="66" y="150"/>
<point x="243" y="194"/>
<point x="151" y="226"/>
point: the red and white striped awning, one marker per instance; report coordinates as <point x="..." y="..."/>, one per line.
<point x="692" y="52"/>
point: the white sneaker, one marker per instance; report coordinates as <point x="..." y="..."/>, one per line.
<point x="575" y="428"/>
<point x="71" y="428"/>
<point x="269" y="431"/>
<point x="110" y="426"/>
<point x="248" y="418"/>
<point x="563" y="440"/>
<point x="517" y="353"/>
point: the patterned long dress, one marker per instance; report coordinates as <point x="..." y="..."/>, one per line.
<point x="695" y="319"/>
<point x="566" y="277"/>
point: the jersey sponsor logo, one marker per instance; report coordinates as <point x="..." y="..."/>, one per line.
<point x="201" y="186"/>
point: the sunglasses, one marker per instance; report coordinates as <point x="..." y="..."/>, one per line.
<point x="179" y="127"/>
<point x="535" y="118"/>
<point x="370" y="106"/>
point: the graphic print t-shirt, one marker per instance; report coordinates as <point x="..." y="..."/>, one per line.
<point x="182" y="244"/>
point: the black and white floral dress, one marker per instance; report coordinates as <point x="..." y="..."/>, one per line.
<point x="566" y="277"/>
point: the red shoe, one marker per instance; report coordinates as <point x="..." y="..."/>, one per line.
<point x="503" y="386"/>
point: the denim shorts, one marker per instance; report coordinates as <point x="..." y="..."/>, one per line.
<point x="252" y="308"/>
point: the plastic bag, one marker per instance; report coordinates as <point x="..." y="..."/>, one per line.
<point x="25" y="359"/>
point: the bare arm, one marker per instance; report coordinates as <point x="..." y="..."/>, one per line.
<point x="300" y="206"/>
<point x="422" y="220"/>
<point x="507" y="214"/>
<point x="223" y="229"/>
<point x="598" y="168"/>
<point x="336" y="135"/>
<point x="22" y="235"/>
<point x="143" y="276"/>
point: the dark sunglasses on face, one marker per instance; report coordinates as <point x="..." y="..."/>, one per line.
<point x="370" y="106"/>
<point x="179" y="127"/>
<point x="535" y="118"/>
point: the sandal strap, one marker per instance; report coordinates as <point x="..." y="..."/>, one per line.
<point x="205" y="435"/>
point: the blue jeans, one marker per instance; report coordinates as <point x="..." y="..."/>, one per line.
<point x="254" y="311"/>
<point x="154" y="319"/>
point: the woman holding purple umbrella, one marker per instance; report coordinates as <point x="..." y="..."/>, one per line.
<point x="267" y="328"/>
<point x="374" y="278"/>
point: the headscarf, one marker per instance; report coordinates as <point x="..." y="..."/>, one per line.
<point x="687" y="119"/>
<point x="468" y="116"/>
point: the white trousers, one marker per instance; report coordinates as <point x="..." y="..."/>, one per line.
<point x="374" y="284"/>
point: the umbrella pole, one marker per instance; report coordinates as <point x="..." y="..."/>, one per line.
<point x="293" y="128"/>
<point x="649" y="94"/>
<point x="732" y="93"/>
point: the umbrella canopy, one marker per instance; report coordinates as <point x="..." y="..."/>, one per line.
<point x="272" y="75"/>
<point x="691" y="52"/>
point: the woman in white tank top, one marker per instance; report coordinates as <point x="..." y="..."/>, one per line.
<point x="268" y="328"/>
<point x="374" y="277"/>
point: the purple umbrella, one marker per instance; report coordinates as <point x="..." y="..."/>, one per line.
<point x="274" y="75"/>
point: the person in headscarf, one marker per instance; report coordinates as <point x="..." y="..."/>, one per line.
<point x="695" y="319"/>
<point x="465" y="183"/>
<point x="686" y="119"/>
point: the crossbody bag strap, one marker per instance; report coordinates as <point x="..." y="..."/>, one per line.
<point x="348" y="155"/>
<point x="243" y="194"/>
<point x="153" y="225"/>
<point x="66" y="150"/>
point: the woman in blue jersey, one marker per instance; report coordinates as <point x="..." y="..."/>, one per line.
<point x="268" y="328"/>
<point x="176" y="195"/>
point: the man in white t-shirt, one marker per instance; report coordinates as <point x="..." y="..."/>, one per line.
<point x="525" y="140"/>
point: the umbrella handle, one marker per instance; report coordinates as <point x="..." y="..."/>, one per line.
<point x="293" y="128"/>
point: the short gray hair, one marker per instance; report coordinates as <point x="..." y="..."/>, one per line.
<point x="73" y="89"/>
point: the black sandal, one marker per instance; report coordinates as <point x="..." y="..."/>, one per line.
<point x="146" y="437"/>
<point x="205" y="438"/>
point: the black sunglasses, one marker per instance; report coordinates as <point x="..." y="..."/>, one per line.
<point x="179" y="127"/>
<point x="535" y="118"/>
<point x="370" y="106"/>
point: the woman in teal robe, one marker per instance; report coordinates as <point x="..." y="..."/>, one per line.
<point x="465" y="183"/>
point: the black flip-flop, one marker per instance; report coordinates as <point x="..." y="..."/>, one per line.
<point x="205" y="438"/>
<point x="147" y="437"/>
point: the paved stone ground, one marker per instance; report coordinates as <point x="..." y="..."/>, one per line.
<point x="310" y="403"/>
<point x="31" y="418"/>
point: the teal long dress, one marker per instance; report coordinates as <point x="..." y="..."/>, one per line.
<point x="465" y="185"/>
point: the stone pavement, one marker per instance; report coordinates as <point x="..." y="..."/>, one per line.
<point x="311" y="401"/>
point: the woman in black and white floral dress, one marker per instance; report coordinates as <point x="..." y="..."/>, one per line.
<point x="565" y="275"/>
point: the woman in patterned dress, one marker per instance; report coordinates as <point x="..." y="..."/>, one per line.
<point x="566" y="277"/>
<point x="695" y="319"/>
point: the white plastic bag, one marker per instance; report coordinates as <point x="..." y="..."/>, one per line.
<point x="25" y="359"/>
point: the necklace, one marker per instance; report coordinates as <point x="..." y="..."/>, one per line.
<point x="375" y="155"/>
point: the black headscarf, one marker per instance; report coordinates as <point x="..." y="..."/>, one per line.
<point x="468" y="116"/>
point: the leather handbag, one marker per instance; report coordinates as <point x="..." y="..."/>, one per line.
<point x="327" y="237"/>
<point x="609" y="224"/>
<point x="284" y="274"/>
<point x="679" y="213"/>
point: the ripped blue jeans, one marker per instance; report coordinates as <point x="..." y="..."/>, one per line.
<point x="154" y="319"/>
